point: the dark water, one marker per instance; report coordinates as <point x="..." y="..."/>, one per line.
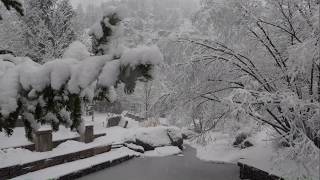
<point x="186" y="167"/>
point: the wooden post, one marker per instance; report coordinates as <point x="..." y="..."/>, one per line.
<point x="125" y="124"/>
<point x="88" y="135"/>
<point x="43" y="140"/>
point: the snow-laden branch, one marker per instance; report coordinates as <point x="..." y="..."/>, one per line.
<point x="25" y="85"/>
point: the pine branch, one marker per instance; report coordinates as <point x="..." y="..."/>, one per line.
<point x="13" y="4"/>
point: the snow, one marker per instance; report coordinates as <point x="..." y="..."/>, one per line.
<point x="33" y="76"/>
<point x="18" y="137"/>
<point x="78" y="73"/>
<point x="9" y="91"/>
<point x="142" y="55"/>
<point x="86" y="73"/>
<point x="121" y="12"/>
<point x="175" y="133"/>
<point x="5" y="65"/>
<point x="64" y="169"/>
<point x="163" y="151"/>
<point x="164" y="121"/>
<point x="45" y="128"/>
<point x="9" y="157"/>
<point x="59" y="73"/>
<point x="96" y="30"/>
<point x="76" y="50"/>
<point x="155" y="136"/>
<point x="115" y="135"/>
<point x="262" y="155"/>
<point x="109" y="74"/>
<point x="131" y="123"/>
<point x="134" y="147"/>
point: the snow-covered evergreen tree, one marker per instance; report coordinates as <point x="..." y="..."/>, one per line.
<point x="15" y="4"/>
<point x="48" y="29"/>
<point x="54" y="93"/>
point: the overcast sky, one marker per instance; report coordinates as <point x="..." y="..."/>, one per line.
<point x="86" y="2"/>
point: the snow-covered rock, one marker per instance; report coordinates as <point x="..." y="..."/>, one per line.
<point x="187" y="133"/>
<point x="241" y="141"/>
<point x="163" y="151"/>
<point x="113" y="121"/>
<point x="175" y="136"/>
<point x="134" y="147"/>
<point x="152" y="137"/>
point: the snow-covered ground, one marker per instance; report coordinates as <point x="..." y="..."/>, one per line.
<point x="114" y="135"/>
<point x="64" y="169"/>
<point x="262" y="155"/>
<point x="18" y="137"/>
<point x="163" y="151"/>
<point x="15" y="156"/>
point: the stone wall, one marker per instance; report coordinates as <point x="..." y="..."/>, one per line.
<point x="43" y="141"/>
<point x="18" y="170"/>
<point x="252" y="173"/>
<point x="95" y="168"/>
<point x="31" y="147"/>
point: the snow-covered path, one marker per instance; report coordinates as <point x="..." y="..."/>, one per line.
<point x="186" y="167"/>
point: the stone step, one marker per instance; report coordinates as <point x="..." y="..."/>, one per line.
<point x="80" y="168"/>
<point x="20" y="169"/>
<point x="252" y="173"/>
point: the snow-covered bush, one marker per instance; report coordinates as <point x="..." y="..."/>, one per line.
<point x="274" y="57"/>
<point x="151" y="122"/>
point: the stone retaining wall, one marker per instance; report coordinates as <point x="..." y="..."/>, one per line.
<point x="31" y="147"/>
<point x="252" y="173"/>
<point x="18" y="170"/>
<point x="95" y="168"/>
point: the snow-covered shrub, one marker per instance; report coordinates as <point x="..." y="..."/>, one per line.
<point x="240" y="138"/>
<point x="151" y="122"/>
<point x="274" y="57"/>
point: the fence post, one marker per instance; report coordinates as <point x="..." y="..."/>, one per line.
<point x="87" y="136"/>
<point x="43" y="140"/>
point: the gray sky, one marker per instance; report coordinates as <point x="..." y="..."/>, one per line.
<point x="86" y="2"/>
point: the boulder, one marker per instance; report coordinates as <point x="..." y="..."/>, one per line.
<point x="240" y="138"/>
<point x="242" y="141"/>
<point x="246" y="144"/>
<point x="113" y="121"/>
<point x="134" y="147"/>
<point x="187" y="133"/>
<point x="175" y="137"/>
<point x="153" y="137"/>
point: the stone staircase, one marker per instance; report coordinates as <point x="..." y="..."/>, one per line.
<point x="21" y="169"/>
<point x="79" y="168"/>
